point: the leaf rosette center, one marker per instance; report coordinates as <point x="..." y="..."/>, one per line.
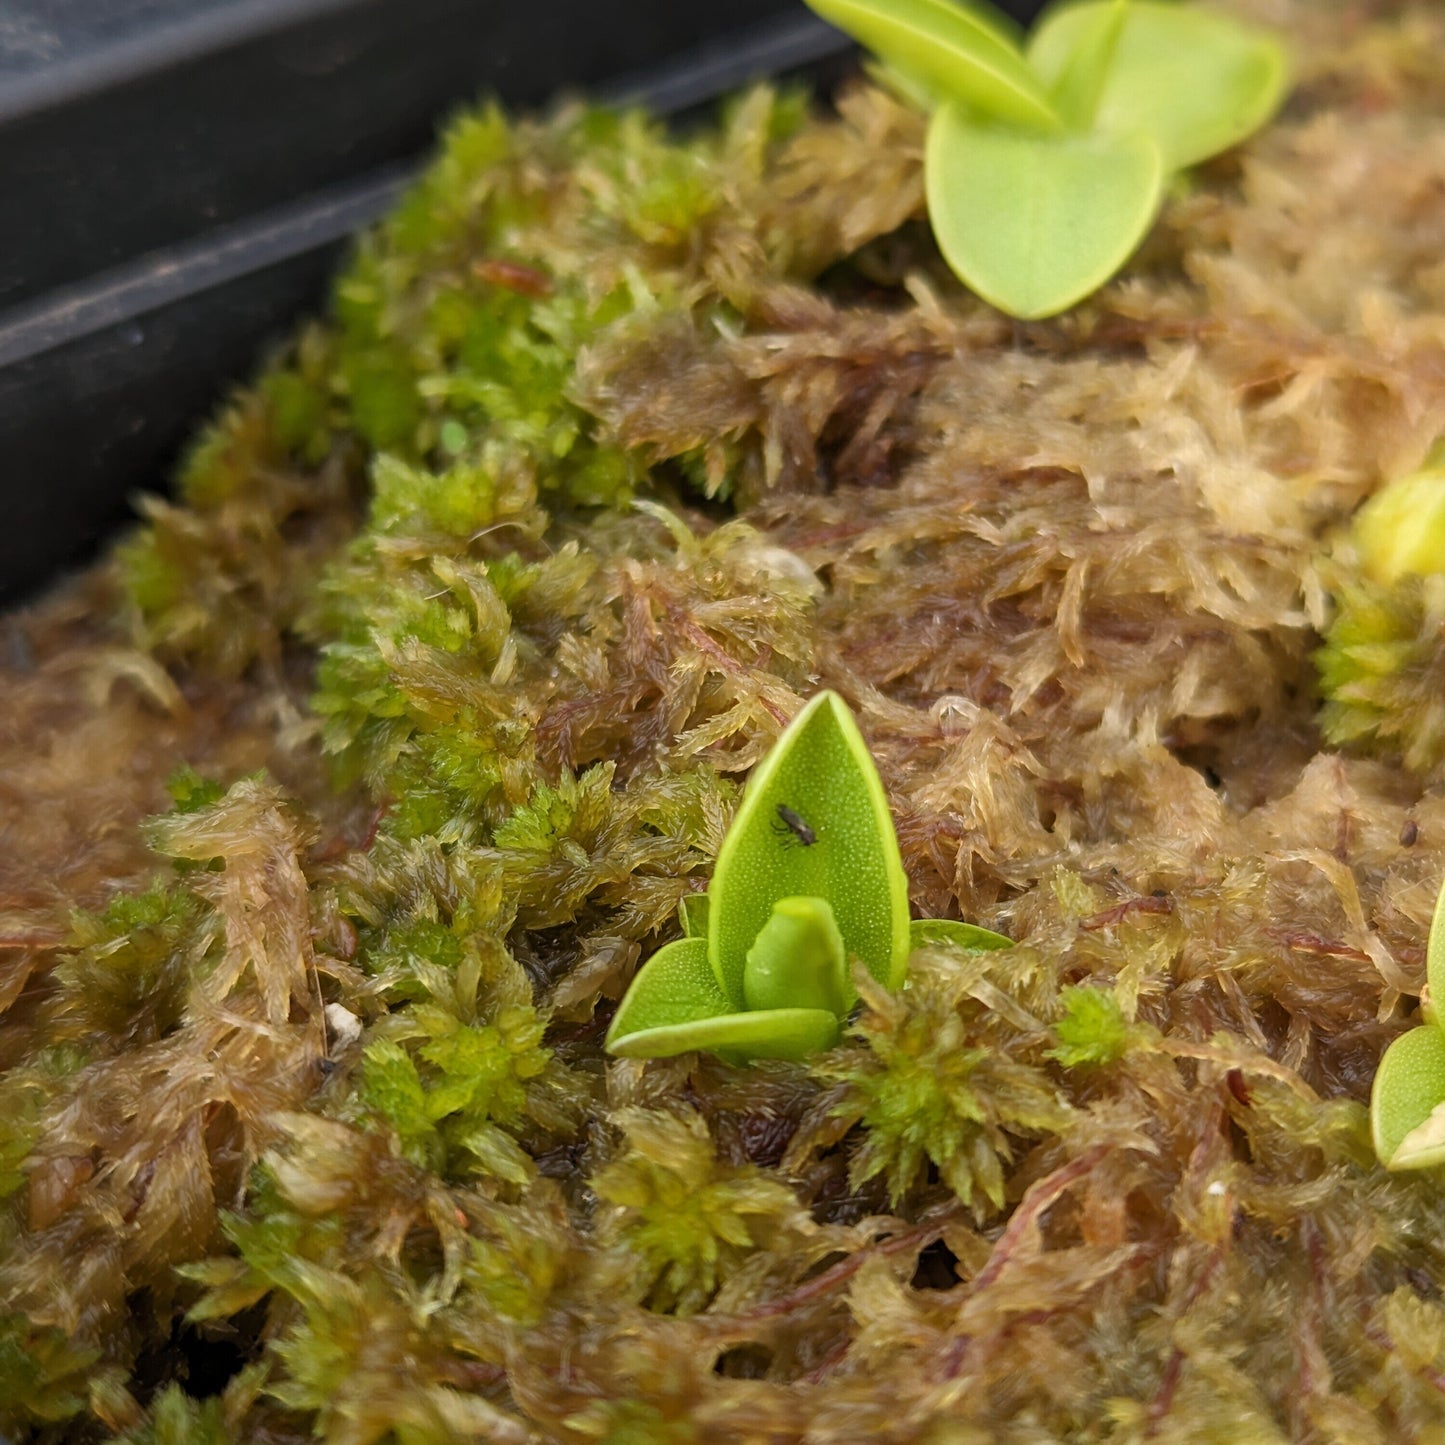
<point x="809" y="883"/>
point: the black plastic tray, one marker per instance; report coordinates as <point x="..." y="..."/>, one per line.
<point x="177" y="178"/>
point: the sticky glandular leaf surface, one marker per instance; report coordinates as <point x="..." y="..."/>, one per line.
<point x="834" y="840"/>
<point x="675" y="1005"/>
<point x="1407" y="1101"/>
<point x="1035" y="223"/>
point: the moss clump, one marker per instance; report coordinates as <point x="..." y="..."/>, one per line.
<point x="1092" y="1030"/>
<point x="467" y="620"/>
<point x="43" y="1377"/>
<point x="468" y="1094"/>
<point x="683" y="1220"/>
<point x="944" y="1082"/>
<point x="1381" y="670"/>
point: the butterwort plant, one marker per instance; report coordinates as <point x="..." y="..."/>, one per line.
<point x="1407" y="1100"/>
<point x="1047" y="158"/>
<point x="808" y="880"/>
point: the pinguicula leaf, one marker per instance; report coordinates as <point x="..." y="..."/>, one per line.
<point x="674" y="1005"/>
<point x="673" y="989"/>
<point x="923" y="932"/>
<point x="1076" y="89"/>
<point x="1407" y="1101"/>
<point x="1435" y="955"/>
<point x="809" y="882"/>
<point x="1036" y="223"/>
<point x="813" y="822"/>
<point x="781" y="1033"/>
<point x="798" y="960"/>
<point x="952" y="51"/>
<point x="693" y="912"/>
<point x="1196" y="81"/>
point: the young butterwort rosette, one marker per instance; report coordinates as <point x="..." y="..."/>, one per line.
<point x="1047" y="159"/>
<point x="1407" y="1100"/>
<point x="808" y="880"/>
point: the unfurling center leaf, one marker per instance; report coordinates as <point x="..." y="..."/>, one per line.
<point x="808" y="882"/>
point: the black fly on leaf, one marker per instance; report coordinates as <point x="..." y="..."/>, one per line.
<point x="790" y="827"/>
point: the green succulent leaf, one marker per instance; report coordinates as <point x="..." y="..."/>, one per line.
<point x="783" y="1033"/>
<point x="779" y="1033"/>
<point x="1195" y="81"/>
<point x="674" y="988"/>
<point x="923" y="932"/>
<point x="1080" y="82"/>
<point x="814" y="823"/>
<point x="692" y="912"/>
<point x="1407" y="1101"/>
<point x="675" y="1005"/>
<point x="798" y="960"/>
<point x="1435" y="954"/>
<point x="948" y="50"/>
<point x="1035" y="223"/>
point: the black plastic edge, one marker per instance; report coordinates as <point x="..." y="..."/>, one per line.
<point x="163" y="277"/>
<point x="102" y="384"/>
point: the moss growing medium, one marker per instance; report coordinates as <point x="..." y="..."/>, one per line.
<point x="306" y="1126"/>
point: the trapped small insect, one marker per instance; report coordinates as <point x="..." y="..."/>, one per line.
<point x="790" y="826"/>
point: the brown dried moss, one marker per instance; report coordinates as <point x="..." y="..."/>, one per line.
<point x="307" y="1127"/>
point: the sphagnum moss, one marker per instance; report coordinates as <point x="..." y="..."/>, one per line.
<point x="307" y="1127"/>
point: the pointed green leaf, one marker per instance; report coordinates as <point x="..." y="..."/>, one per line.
<point x="1406" y="1115"/>
<point x="1435" y="954"/>
<point x="1075" y="92"/>
<point x="1424" y="1146"/>
<point x="1031" y="223"/>
<point x="692" y="912"/>
<point x="675" y="1005"/>
<point x="675" y="986"/>
<point x="798" y="960"/>
<point x="951" y="51"/>
<point x="833" y="839"/>
<point x="1196" y="81"/>
<point x="925" y="931"/>
<point x="784" y="1033"/>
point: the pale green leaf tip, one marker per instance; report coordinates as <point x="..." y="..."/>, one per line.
<point x="1075" y="93"/>
<point x="1435" y="952"/>
<point x="1424" y="1146"/>
<point x="927" y="932"/>
<point x="692" y="913"/>
<point x="795" y="1033"/>
<point x="1407" y="1101"/>
<point x="966" y="51"/>
<point x="1407" y="1097"/>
